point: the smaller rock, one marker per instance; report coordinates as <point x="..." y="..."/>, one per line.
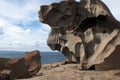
<point x="18" y="68"/>
<point x="55" y="65"/>
<point x="25" y="67"/>
<point x="32" y="61"/>
<point x="46" y="66"/>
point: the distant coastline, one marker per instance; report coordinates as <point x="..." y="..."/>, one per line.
<point x="46" y="57"/>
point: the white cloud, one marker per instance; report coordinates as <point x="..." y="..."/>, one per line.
<point x="27" y="31"/>
<point x="1" y="30"/>
<point x="16" y="38"/>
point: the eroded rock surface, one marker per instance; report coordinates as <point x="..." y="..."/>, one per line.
<point x="26" y="66"/>
<point x="85" y="32"/>
<point x="32" y="60"/>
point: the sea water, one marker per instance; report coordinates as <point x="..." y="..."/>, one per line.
<point x="46" y="57"/>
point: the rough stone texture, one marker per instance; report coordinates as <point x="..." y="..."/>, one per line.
<point x="70" y="72"/>
<point x="32" y="61"/>
<point x="4" y="72"/>
<point x="5" y="75"/>
<point x="25" y="67"/>
<point x="18" y="68"/>
<point x="3" y="63"/>
<point x="85" y="32"/>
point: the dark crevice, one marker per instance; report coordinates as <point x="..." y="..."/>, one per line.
<point x="104" y="31"/>
<point x="57" y="47"/>
<point x="92" y="67"/>
<point x="91" y="22"/>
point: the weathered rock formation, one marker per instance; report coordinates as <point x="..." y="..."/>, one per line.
<point x="85" y="32"/>
<point x="26" y="66"/>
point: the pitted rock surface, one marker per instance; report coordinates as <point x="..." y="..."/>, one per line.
<point x="85" y="32"/>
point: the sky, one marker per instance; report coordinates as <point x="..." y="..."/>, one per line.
<point x="20" y="29"/>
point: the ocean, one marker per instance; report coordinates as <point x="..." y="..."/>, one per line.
<point x="46" y="57"/>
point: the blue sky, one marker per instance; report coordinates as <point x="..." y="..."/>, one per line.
<point x="20" y="29"/>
